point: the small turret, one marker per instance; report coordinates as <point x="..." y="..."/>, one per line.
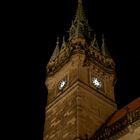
<point x="56" y="50"/>
<point x="63" y="46"/>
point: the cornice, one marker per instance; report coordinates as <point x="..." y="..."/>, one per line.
<point x="80" y="47"/>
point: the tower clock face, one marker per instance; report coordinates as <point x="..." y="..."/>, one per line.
<point x="62" y="84"/>
<point x="96" y="82"/>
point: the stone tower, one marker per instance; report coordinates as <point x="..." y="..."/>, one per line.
<point x="80" y="82"/>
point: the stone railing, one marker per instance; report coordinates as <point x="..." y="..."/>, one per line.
<point x="108" y="131"/>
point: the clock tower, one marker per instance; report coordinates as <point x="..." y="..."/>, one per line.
<point x="80" y="82"/>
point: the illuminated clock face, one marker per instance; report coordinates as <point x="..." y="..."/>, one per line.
<point x="62" y="84"/>
<point x="96" y="82"/>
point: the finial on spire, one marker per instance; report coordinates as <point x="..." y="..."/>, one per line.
<point x="104" y="49"/>
<point x="57" y="42"/>
<point x="79" y="1"/>
<point x="102" y="36"/>
<point x="63" y="38"/>
<point x="63" y="43"/>
<point x="94" y="36"/>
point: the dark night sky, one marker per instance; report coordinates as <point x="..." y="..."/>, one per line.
<point x="34" y="27"/>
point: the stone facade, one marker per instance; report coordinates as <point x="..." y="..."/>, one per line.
<point x="80" y="108"/>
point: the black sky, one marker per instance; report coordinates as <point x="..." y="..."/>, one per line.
<point x="33" y="27"/>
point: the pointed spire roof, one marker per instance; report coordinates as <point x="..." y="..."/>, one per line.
<point x="56" y="50"/>
<point x="104" y="48"/>
<point x="80" y="25"/>
<point x="63" y="44"/>
<point x="94" y="43"/>
<point x="80" y="14"/>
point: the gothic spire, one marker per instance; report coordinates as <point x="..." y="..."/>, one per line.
<point x="79" y="27"/>
<point x="104" y="49"/>
<point x="80" y="14"/>
<point x="56" y="50"/>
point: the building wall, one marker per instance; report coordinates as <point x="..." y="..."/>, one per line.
<point x="60" y="123"/>
<point x="93" y="110"/>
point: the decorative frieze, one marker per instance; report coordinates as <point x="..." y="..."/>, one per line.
<point x="92" y="55"/>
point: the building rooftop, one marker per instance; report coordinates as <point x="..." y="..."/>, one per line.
<point x="119" y="121"/>
<point x="122" y="112"/>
